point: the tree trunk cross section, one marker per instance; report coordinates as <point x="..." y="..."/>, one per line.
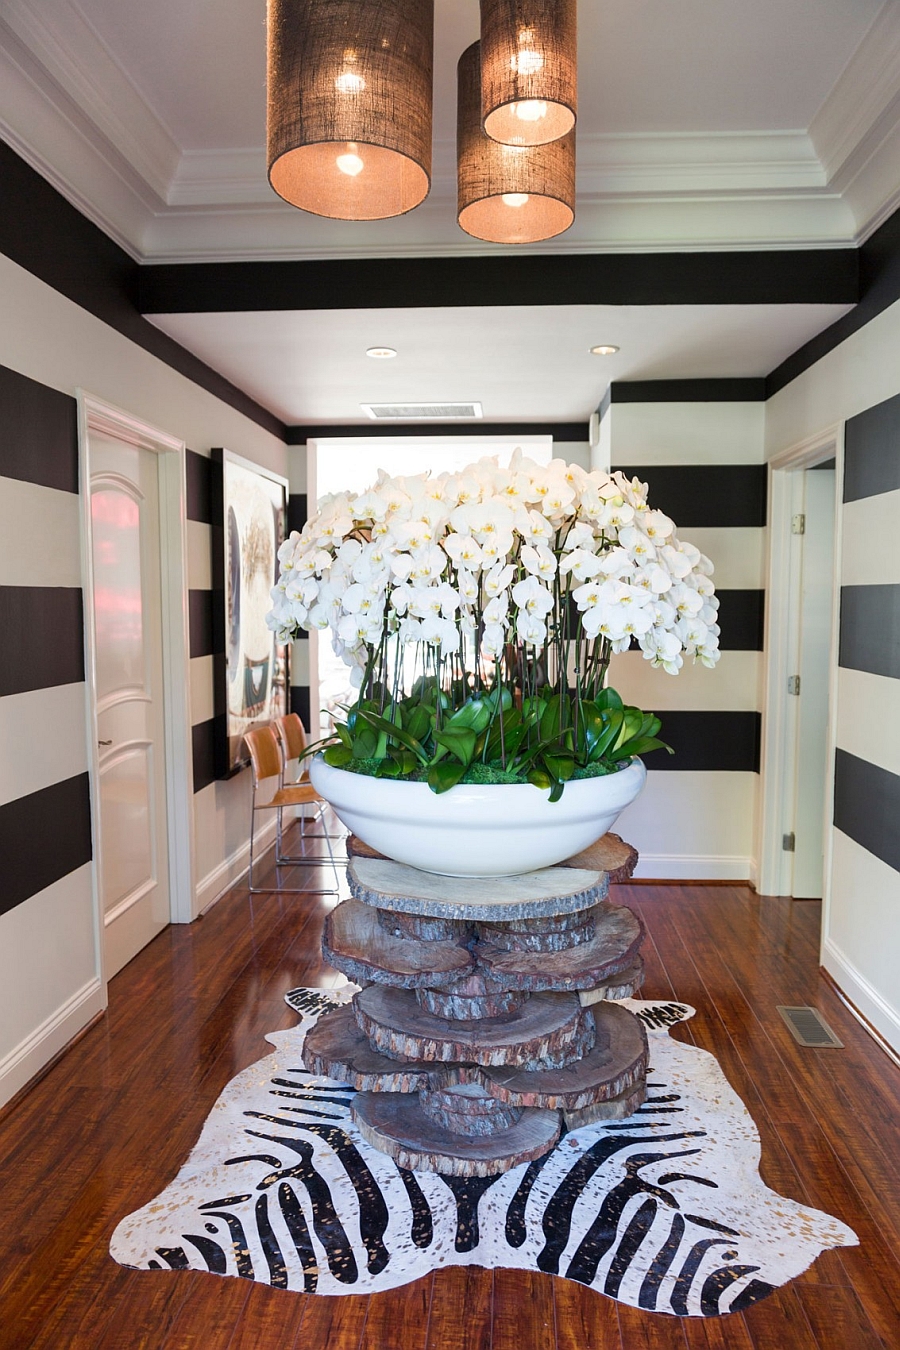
<point x="483" y="1022"/>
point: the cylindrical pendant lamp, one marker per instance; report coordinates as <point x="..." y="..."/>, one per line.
<point x="349" y="105"/>
<point x="508" y="194"/>
<point x="529" y="76"/>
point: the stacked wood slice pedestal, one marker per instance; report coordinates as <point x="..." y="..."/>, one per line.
<point x="483" y="1023"/>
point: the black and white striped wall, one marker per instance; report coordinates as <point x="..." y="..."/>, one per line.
<point x="701" y="453"/>
<point x="864" y="918"/>
<point x="49" y="982"/>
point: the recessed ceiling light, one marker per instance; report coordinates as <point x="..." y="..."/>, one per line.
<point x="604" y="349"/>
<point x="381" y="353"/>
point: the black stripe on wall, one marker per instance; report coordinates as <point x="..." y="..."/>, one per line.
<point x="870" y="630"/>
<point x="43" y="837"/>
<point x="742" y="620"/>
<point x="296" y="511"/>
<point x="867" y="806"/>
<point x="41" y="637"/>
<point x="560" y="431"/>
<point x="699" y="495"/>
<point x="744" y="390"/>
<point x="872" y="451"/>
<point x="300" y="706"/>
<point x="201" y="626"/>
<point x="50" y="238"/>
<point x="204" y="750"/>
<point x="198" y="475"/>
<point x="38" y="433"/>
<point x="709" y="741"/>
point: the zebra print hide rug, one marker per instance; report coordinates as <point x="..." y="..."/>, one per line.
<point x="665" y="1211"/>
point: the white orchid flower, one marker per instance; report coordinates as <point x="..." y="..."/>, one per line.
<point x="685" y="599"/>
<point x="583" y="565"/>
<point x="496" y="547"/>
<point x="493" y="640"/>
<point x="532" y="597"/>
<point x="540" y="561"/>
<point x="400" y="598"/>
<point x="467" y="586"/>
<point x="580" y="535"/>
<point x="496" y="611"/>
<point x="497" y="579"/>
<point x="464" y="551"/>
<point x="530" y="629"/>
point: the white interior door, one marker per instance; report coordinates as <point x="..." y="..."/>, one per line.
<point x="125" y="533"/>
<point x="816" y="594"/>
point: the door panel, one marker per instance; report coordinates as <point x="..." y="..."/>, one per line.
<point x="128" y="669"/>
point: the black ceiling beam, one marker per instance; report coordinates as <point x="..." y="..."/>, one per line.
<point x="560" y="431"/>
<point x="798" y="276"/>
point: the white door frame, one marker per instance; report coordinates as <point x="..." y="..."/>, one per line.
<point x="96" y="415"/>
<point x="778" y="768"/>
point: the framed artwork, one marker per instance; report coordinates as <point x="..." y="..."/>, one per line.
<point x="251" y="668"/>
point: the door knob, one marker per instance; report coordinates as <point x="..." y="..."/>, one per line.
<point x="104" y="742"/>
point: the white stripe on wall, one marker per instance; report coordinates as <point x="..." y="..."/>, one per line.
<point x="299" y="664"/>
<point x="42" y="739"/>
<point x="694" y="824"/>
<point x="202" y="692"/>
<point x="199" y="556"/>
<point x="733" y="686"/>
<point x="687" y="433"/>
<point x="857" y="932"/>
<point x="38" y="976"/>
<point x="868" y="720"/>
<point x="40" y="531"/>
<point x="870" y="549"/>
<point x="737" y="552"/>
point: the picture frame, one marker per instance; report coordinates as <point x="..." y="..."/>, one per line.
<point x="252" y="679"/>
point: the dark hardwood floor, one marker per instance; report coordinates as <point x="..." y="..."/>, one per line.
<point x="112" y="1122"/>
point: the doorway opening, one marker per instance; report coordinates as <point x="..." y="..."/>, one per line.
<point x="133" y="543"/>
<point x="803" y="599"/>
<point x="352" y="464"/>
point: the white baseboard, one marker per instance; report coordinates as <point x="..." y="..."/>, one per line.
<point x="863" y="995"/>
<point x="694" y="867"/>
<point x="26" y="1059"/>
<point x="213" y="886"/>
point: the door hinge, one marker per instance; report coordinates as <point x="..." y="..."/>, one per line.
<point x="798" y="524"/>
<point x="793" y="684"/>
<point x="789" y="842"/>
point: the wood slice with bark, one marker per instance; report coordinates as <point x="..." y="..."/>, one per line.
<point x="336" y="1048"/>
<point x="617" y="1063"/>
<point x="550" y="1029"/>
<point x="608" y="854"/>
<point x="397" y="1125"/>
<point x="625" y="984"/>
<point x="359" y="946"/>
<point x="618" y="934"/>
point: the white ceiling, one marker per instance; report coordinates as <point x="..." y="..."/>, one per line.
<point x="522" y="363"/>
<point x="702" y="124"/>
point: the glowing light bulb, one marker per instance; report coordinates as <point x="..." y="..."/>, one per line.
<point x="350" y="163"/>
<point x="531" y="110"/>
<point x="350" y="83"/>
<point x="515" y="198"/>
<point x="527" y="63"/>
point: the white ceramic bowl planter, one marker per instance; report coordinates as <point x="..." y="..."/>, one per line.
<point x="476" y="830"/>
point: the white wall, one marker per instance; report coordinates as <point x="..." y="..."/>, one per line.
<point x="49" y="974"/>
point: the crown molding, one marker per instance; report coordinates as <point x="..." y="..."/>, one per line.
<point x="71" y="110"/>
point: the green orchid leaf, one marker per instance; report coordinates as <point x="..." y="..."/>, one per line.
<point x="560" y="767"/>
<point x="442" y="777"/>
<point x="609" y="699"/>
<point x="337" y="756"/>
<point x="556" y="791"/>
<point x="460" y="741"/>
<point x="388" y="768"/>
<point x="640" y="745"/>
<point x="377" y="722"/>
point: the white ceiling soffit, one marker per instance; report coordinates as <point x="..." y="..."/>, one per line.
<point x="524" y="363"/>
<point x="134" y="162"/>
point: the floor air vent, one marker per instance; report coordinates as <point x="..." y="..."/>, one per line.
<point x="808" y="1027"/>
<point x="421" y="412"/>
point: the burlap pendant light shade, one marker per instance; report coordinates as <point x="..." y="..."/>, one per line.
<point x="349" y="105"/>
<point x="508" y="194"/>
<point x="529" y="77"/>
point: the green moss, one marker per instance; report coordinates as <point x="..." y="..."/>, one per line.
<point x="478" y="773"/>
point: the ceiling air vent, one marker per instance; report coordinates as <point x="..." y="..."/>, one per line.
<point x="422" y="412"/>
<point x="808" y="1027"/>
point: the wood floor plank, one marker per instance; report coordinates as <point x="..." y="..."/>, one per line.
<point x="399" y="1317"/>
<point x="113" y="1121"/>
<point x="470" y="1288"/>
<point x="585" y="1318"/>
<point x="523" y="1311"/>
